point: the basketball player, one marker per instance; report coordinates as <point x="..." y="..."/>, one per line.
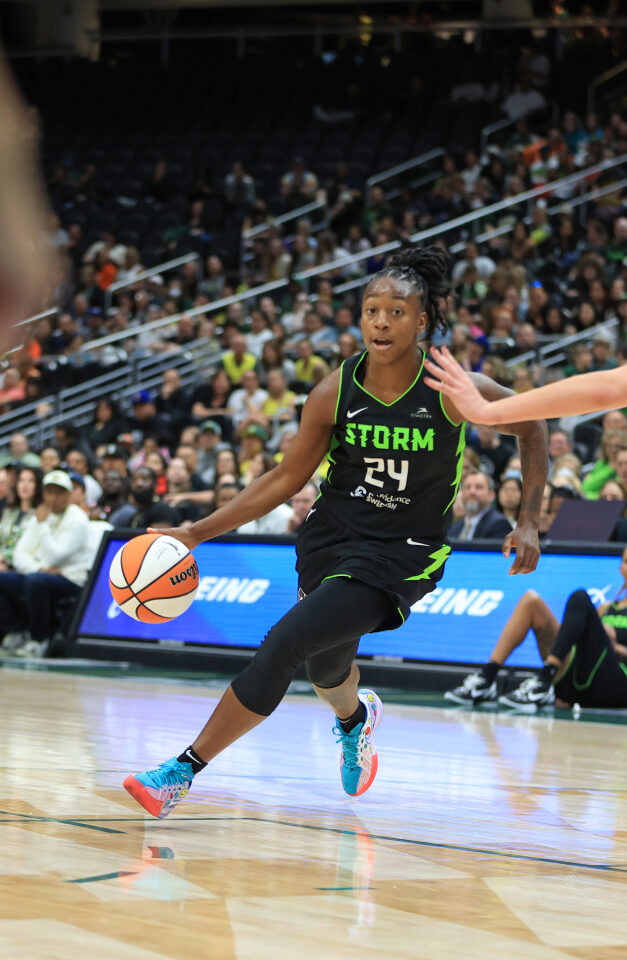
<point x="586" y="393"/>
<point x="29" y="267"/>
<point x="374" y="541"/>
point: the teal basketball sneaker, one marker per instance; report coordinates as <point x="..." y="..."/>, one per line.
<point x="358" y="761"/>
<point x="159" y="790"/>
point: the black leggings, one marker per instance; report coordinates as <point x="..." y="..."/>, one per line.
<point x="322" y="631"/>
<point x="595" y="676"/>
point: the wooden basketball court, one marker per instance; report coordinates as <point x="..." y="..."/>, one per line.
<point x="485" y="835"/>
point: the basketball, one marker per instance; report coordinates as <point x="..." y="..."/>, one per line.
<point x="153" y="578"/>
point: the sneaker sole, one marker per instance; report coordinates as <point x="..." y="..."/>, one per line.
<point x="461" y="700"/>
<point x="375" y="757"/>
<point x="139" y="792"/>
<point x="523" y="707"/>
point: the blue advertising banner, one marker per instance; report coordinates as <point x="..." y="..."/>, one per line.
<point x="246" y="587"/>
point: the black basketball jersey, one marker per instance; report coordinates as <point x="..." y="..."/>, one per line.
<point x="383" y="510"/>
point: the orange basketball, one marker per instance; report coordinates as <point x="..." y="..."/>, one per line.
<point x="153" y="578"/>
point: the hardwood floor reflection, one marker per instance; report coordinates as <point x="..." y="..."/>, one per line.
<point x="484" y="835"/>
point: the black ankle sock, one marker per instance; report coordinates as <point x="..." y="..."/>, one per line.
<point x="358" y="717"/>
<point x="190" y="756"/>
<point x="547" y="674"/>
<point x="489" y="670"/>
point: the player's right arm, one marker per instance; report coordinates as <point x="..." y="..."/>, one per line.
<point x="298" y="466"/>
<point x="585" y="393"/>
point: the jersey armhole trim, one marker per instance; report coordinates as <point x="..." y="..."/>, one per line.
<point x="339" y="392"/>
<point x="446" y="414"/>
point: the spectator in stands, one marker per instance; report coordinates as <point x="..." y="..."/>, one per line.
<point x="613" y="490"/>
<point x="523" y="379"/>
<point x="209" y="445"/>
<point x="114" y="457"/>
<point x="493" y="450"/>
<point x="13" y="390"/>
<point x="509" y="498"/>
<point x="239" y="188"/>
<point x="259" y="333"/>
<point x="49" y="459"/>
<point x="344" y="323"/>
<point x="484" y="266"/>
<point x="145" y="508"/>
<point x="277" y="521"/>
<point x="238" y="360"/>
<point x="188" y="453"/>
<point x="179" y="486"/>
<point x="481" y="520"/>
<point x="115" y="491"/>
<point x="19" y="448"/>
<point x="301" y="504"/>
<point x="253" y="438"/>
<point x="524" y="100"/>
<point x="298" y="185"/>
<point x="108" y="423"/>
<point x="348" y="346"/>
<point x="581" y="360"/>
<point x="602" y="354"/>
<point x="278" y="407"/>
<point x="559" y="444"/>
<point x="18" y="505"/>
<point x="277" y="263"/>
<point x="77" y="462"/>
<point x="158" y="463"/>
<point x="146" y="421"/>
<point x="310" y="368"/>
<point x="247" y="402"/>
<point x="51" y="560"/>
<point x="273" y="358"/>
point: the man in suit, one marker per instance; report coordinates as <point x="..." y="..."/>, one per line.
<point x="482" y="521"/>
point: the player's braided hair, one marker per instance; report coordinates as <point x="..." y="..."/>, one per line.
<point x="426" y="268"/>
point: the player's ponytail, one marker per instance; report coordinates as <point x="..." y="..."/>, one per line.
<point x="426" y="268"/>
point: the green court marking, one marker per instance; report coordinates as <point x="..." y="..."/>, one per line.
<point x="429" y="844"/>
<point x="105" y="876"/>
<point x="33" y="818"/>
<point x="346" y="888"/>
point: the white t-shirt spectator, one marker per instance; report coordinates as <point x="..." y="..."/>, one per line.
<point x="241" y="403"/>
<point x="485" y="267"/>
<point x="521" y="102"/>
<point x="61" y="540"/>
<point x="274" y="522"/>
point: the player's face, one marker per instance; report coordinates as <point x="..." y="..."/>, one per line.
<point x="391" y="319"/>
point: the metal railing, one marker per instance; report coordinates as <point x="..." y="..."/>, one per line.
<point x="77" y="404"/>
<point x="296" y="214"/>
<point x="467" y="218"/>
<point x="601" y="80"/>
<point x="554" y="353"/>
<point x="146" y="274"/>
<point x="271" y="287"/>
<point x="392" y="172"/>
<point x="551" y="211"/>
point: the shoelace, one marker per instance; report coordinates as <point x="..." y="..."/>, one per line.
<point x="472" y="680"/>
<point x="529" y="685"/>
<point x="169" y="776"/>
<point x="350" y="747"/>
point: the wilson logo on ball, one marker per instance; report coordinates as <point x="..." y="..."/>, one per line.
<point x="190" y="572"/>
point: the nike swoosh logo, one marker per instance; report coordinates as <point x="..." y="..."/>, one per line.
<point x="417" y="543"/>
<point x="353" y="413"/>
<point x="187" y="754"/>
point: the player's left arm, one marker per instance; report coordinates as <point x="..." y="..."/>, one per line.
<point x="534" y="455"/>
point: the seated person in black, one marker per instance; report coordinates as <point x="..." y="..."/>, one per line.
<point x="145" y="508"/>
<point x="585" y="657"/>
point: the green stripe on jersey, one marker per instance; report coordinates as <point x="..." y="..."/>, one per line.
<point x="439" y="558"/>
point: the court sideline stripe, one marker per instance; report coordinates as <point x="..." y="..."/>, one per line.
<point x="337" y="830"/>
